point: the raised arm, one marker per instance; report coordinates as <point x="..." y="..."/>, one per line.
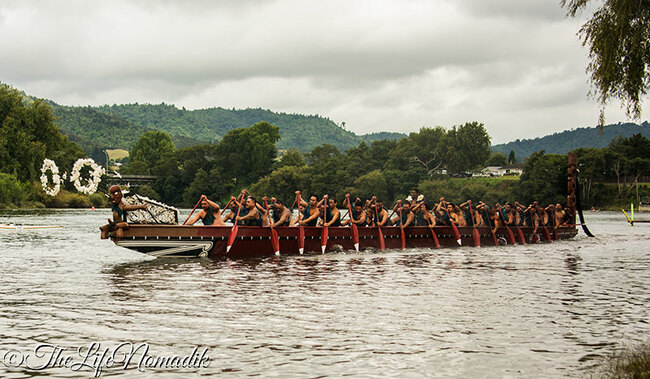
<point x="300" y="200"/>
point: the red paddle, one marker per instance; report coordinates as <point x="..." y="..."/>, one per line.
<point x="301" y="231"/>
<point x="435" y="237"/>
<point x="476" y="236"/>
<point x="353" y="226"/>
<point x="511" y="235"/>
<point x="401" y="230"/>
<point x="235" y="227"/>
<point x="547" y="235"/>
<point x="275" y="241"/>
<point x="193" y="209"/>
<point x="382" y="243"/>
<point x="494" y="236"/>
<point x="325" y="231"/>
<point x="454" y="229"/>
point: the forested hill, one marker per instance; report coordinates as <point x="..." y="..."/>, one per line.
<point x="119" y="126"/>
<point x="562" y="143"/>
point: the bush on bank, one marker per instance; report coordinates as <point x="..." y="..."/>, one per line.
<point x="629" y="363"/>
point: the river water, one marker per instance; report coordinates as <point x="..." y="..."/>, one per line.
<point x="546" y="310"/>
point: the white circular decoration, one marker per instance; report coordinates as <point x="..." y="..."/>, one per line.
<point x="95" y="176"/>
<point x="49" y="165"/>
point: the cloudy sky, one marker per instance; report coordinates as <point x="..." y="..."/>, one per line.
<point x="394" y="65"/>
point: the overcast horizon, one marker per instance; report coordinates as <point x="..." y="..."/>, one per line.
<point x="518" y="67"/>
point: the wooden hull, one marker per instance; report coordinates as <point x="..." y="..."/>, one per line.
<point x="252" y="241"/>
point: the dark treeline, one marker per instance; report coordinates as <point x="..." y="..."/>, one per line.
<point x="248" y="158"/>
<point x="119" y="126"/>
<point x="617" y="174"/>
<point x="569" y="140"/>
<point x="388" y="169"/>
<point x="28" y="135"/>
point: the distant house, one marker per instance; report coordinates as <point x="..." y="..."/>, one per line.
<point x="511" y="169"/>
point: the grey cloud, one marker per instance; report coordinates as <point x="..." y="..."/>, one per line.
<point x="395" y="64"/>
<point x="542" y="10"/>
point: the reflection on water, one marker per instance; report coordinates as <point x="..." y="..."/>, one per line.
<point x="534" y="310"/>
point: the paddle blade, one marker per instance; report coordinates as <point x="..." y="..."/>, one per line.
<point x="535" y="239"/>
<point x="275" y="241"/>
<point x="403" y="236"/>
<point x="435" y="237"/>
<point x="382" y="243"/>
<point x="555" y="236"/>
<point x="355" y="237"/>
<point x="511" y="237"/>
<point x="476" y="237"/>
<point x="231" y="237"/>
<point x="522" y="237"/>
<point x="495" y="239"/>
<point x="547" y="235"/>
<point x="323" y="239"/>
<point x="454" y="229"/>
<point x="301" y="239"/>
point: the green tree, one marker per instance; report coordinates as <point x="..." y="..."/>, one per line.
<point x="424" y="150"/>
<point x="28" y="135"/>
<point x="292" y="157"/>
<point x="322" y="154"/>
<point x="511" y="157"/>
<point x="247" y="154"/>
<point x="617" y="35"/>
<point x="209" y="184"/>
<point x="544" y="179"/>
<point x="467" y="147"/>
<point x="152" y="147"/>
<point x="283" y="183"/>
<point x="497" y="159"/>
<point x="371" y="184"/>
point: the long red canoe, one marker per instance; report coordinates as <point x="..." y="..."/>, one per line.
<point x="254" y="241"/>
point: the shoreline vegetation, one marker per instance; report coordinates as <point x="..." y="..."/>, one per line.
<point x="630" y="362"/>
<point x="435" y="160"/>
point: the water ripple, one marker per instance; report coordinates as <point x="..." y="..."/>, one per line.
<point x="535" y="310"/>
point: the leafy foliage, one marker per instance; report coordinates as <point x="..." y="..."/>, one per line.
<point x="28" y="135"/>
<point x="562" y="143"/>
<point x="617" y="35"/>
<point x="543" y="175"/>
<point x="150" y="148"/>
<point x="497" y="159"/>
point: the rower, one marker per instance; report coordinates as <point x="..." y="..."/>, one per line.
<point x="235" y="205"/>
<point x="405" y="216"/>
<point x="415" y="197"/>
<point x="210" y="213"/>
<point x="358" y="216"/>
<point x="253" y="216"/>
<point x="370" y="214"/>
<point x="466" y="208"/>
<point x="118" y="224"/>
<point x="456" y="214"/>
<point x="311" y="213"/>
<point x="442" y="214"/>
<point x="381" y="212"/>
<point x="520" y="216"/>
<point x="296" y="219"/>
<point x="422" y="215"/>
<point x="484" y="210"/>
<point x="263" y="212"/>
<point x="495" y="219"/>
<point x="333" y="217"/>
<point x="282" y="214"/>
<point x="509" y="215"/>
<point x="559" y="215"/>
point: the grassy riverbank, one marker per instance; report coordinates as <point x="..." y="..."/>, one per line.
<point x="633" y="362"/>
